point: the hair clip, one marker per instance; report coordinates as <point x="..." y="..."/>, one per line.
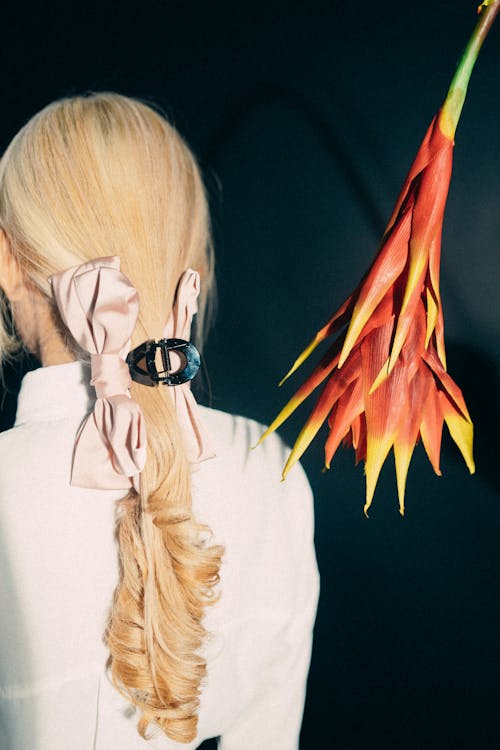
<point x="143" y="368"/>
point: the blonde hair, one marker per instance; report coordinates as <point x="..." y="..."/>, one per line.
<point x="101" y="175"/>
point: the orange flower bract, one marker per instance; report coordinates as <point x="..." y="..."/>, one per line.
<point x="386" y="380"/>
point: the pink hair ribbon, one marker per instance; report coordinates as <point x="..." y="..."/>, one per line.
<point x="99" y="306"/>
<point x="196" y="440"/>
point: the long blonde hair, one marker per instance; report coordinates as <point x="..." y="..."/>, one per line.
<point x="101" y="175"/>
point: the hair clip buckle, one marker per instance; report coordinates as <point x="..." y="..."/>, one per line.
<point x="143" y="367"/>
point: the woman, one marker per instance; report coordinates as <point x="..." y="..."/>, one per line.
<point x="159" y="583"/>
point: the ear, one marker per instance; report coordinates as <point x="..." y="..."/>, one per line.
<point x="11" y="280"/>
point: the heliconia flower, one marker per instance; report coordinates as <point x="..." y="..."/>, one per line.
<point x="386" y="380"/>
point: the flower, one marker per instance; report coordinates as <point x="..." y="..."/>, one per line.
<point x="386" y="380"/>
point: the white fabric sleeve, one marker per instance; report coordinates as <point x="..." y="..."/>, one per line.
<point x="272" y="719"/>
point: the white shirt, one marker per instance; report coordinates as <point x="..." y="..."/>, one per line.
<point x="59" y="569"/>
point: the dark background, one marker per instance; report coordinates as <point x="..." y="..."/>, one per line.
<point x="305" y="117"/>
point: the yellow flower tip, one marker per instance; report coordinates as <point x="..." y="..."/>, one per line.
<point x="370" y="491"/>
<point x="285" y="378"/>
<point x="344" y="354"/>
<point x="292" y="369"/>
<point x="402" y="511"/>
<point x="461" y="430"/>
<point x="261" y="439"/>
<point x="286" y="469"/>
<point x="402" y="455"/>
<point x="469" y="462"/>
<point x="377" y="451"/>
<point x="349" y="342"/>
<point x="291" y="461"/>
<point x="300" y="359"/>
<point x="383" y="374"/>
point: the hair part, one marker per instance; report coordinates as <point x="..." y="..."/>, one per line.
<point x="99" y="175"/>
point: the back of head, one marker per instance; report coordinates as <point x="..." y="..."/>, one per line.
<point x="101" y="175"/>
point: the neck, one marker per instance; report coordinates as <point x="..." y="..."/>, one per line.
<point x="35" y="323"/>
<point x="51" y="346"/>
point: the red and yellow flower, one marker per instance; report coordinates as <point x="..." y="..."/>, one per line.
<point x="386" y="380"/>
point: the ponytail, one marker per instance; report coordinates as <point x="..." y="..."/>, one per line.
<point x="168" y="573"/>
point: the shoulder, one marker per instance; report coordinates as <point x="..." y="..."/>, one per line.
<point x="235" y="438"/>
<point x="19" y="440"/>
<point x="33" y="435"/>
<point x="248" y="478"/>
<point x="31" y="450"/>
<point x="266" y="525"/>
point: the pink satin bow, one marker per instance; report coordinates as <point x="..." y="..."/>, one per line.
<point x="196" y="441"/>
<point x="99" y="306"/>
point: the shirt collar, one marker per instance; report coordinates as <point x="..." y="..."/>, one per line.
<point x="55" y="392"/>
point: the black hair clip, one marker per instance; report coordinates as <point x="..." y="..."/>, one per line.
<point x="142" y="362"/>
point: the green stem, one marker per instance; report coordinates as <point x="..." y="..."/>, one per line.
<point x="452" y="107"/>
